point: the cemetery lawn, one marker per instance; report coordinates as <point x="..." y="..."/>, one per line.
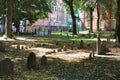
<point x="67" y="65"/>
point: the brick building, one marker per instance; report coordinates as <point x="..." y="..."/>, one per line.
<point x="56" y="20"/>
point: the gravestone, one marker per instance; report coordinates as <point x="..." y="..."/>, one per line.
<point x="31" y="61"/>
<point x="22" y="47"/>
<point x="104" y="49"/>
<point x="94" y="35"/>
<point x="90" y="56"/>
<point x="81" y="44"/>
<point x="64" y="48"/>
<point x="59" y="50"/>
<point x="6" y="67"/>
<point x="44" y="60"/>
<point x="2" y="47"/>
<point x="108" y="40"/>
<point x="104" y="43"/>
<point x="73" y="43"/>
<point x="68" y="36"/>
<point x="57" y="43"/>
<point x="18" y="46"/>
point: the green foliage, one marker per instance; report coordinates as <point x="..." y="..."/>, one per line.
<point x="23" y="10"/>
<point x="26" y="9"/>
<point x="76" y="5"/>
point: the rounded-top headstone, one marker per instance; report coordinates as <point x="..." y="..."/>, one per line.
<point x="44" y="60"/>
<point x="6" y="67"/>
<point x="31" y="61"/>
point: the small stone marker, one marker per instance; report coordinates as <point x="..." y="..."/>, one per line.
<point x="73" y="43"/>
<point x="81" y="44"/>
<point x="64" y="48"/>
<point x="90" y="56"/>
<point x="44" y="60"/>
<point x="59" y="50"/>
<point x="57" y="43"/>
<point x="68" y="36"/>
<point x="6" y="67"/>
<point x="18" y="46"/>
<point x="22" y="47"/>
<point x="31" y="61"/>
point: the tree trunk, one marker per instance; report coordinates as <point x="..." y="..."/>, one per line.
<point x="98" y="15"/>
<point x="118" y="23"/>
<point x="17" y="25"/>
<point x="91" y="20"/>
<point x="8" y="22"/>
<point x="73" y="19"/>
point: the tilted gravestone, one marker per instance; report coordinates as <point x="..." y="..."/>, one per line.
<point x="2" y="47"/>
<point x="44" y="60"/>
<point x="31" y="61"/>
<point x="6" y="67"/>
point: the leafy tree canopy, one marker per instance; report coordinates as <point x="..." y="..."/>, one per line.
<point x="26" y="9"/>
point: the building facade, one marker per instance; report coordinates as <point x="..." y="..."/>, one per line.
<point x="56" y="20"/>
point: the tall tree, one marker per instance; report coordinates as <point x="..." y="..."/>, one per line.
<point x="8" y="20"/>
<point x="23" y="9"/>
<point x="71" y="8"/>
<point x="118" y="22"/>
<point x="37" y="9"/>
<point x="98" y="14"/>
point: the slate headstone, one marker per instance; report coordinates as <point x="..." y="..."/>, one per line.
<point x="6" y="67"/>
<point x="44" y="60"/>
<point x="31" y="61"/>
<point x="81" y="44"/>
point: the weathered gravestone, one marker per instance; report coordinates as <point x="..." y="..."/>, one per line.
<point x="44" y="60"/>
<point x="6" y="67"/>
<point x="73" y="43"/>
<point x="2" y="47"/>
<point x="64" y="48"/>
<point x="81" y="44"/>
<point x="90" y="56"/>
<point x="101" y="48"/>
<point x="104" y="49"/>
<point x="59" y="50"/>
<point x="18" y="46"/>
<point x="31" y="61"/>
<point x="68" y="36"/>
<point x="57" y="43"/>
